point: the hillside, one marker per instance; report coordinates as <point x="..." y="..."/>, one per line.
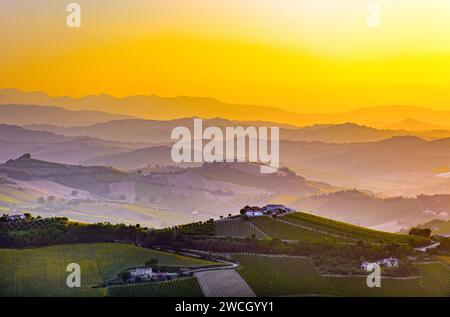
<point x="15" y="140"/>
<point x="376" y="166"/>
<point x="388" y="214"/>
<point x="42" y="272"/>
<point x="29" y="113"/>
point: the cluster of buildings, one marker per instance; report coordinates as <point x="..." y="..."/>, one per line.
<point x="266" y="210"/>
<point x="147" y="274"/>
<point x="13" y="218"/>
<point x="388" y="262"/>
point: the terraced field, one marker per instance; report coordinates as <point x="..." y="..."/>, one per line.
<point x="42" y="271"/>
<point x="283" y="231"/>
<point x="282" y="276"/>
<point x="345" y="229"/>
<point x="186" y="287"/>
<point x="236" y="228"/>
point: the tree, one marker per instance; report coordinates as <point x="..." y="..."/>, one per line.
<point x="151" y="262"/>
<point x="28" y="216"/>
<point x="426" y="233"/>
<point x="125" y="276"/>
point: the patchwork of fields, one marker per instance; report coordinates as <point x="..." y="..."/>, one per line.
<point x="295" y="276"/>
<point x="42" y="271"/>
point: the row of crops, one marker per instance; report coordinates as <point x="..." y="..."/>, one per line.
<point x="343" y="229"/>
<point x="282" y="275"/>
<point x="294" y="276"/>
<point x="237" y="228"/>
<point x="283" y="231"/>
<point x="186" y="287"/>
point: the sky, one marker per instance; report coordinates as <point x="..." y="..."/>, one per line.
<point x="304" y="56"/>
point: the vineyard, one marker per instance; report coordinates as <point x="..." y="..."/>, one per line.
<point x="283" y="231"/>
<point x="282" y="276"/>
<point x="344" y="229"/>
<point x="186" y="287"/>
<point x="42" y="271"/>
<point x="237" y="228"/>
<point x="223" y="283"/>
<point x="433" y="280"/>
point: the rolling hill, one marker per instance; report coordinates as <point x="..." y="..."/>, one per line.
<point x="23" y="114"/>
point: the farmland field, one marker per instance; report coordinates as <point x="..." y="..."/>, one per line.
<point x="344" y="229"/>
<point x="282" y="276"/>
<point x="236" y="228"/>
<point x="283" y="231"/>
<point x="186" y="287"/>
<point x="223" y="283"/>
<point x="433" y="280"/>
<point x="42" y="271"/>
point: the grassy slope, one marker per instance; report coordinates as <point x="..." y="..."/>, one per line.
<point x="434" y="280"/>
<point x="42" y="271"/>
<point x="345" y="229"/>
<point x="283" y="231"/>
<point x="290" y="276"/>
<point x="236" y="228"/>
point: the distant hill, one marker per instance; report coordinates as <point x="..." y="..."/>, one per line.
<point x="156" y="131"/>
<point x="21" y="114"/>
<point x="414" y="125"/>
<point x="397" y="166"/>
<point x="160" y="108"/>
<point x="437" y="227"/>
<point x="387" y="214"/>
<point x="15" y="140"/>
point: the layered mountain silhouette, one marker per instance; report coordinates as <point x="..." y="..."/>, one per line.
<point x="155" y="107"/>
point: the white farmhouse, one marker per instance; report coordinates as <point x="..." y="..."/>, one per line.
<point x="141" y="272"/>
<point x="254" y="213"/>
<point x="389" y="262"/>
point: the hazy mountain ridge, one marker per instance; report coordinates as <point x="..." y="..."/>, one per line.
<point x="154" y="107"/>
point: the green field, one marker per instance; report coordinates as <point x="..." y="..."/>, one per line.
<point x="283" y="231"/>
<point x="294" y="276"/>
<point x="345" y="229"/>
<point x="282" y="276"/>
<point x="236" y="228"/>
<point x="42" y="271"/>
<point x="186" y="287"/>
<point x="433" y="280"/>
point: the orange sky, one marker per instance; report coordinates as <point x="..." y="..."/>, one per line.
<point x="306" y="56"/>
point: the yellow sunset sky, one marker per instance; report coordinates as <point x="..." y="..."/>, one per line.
<point x="305" y="56"/>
